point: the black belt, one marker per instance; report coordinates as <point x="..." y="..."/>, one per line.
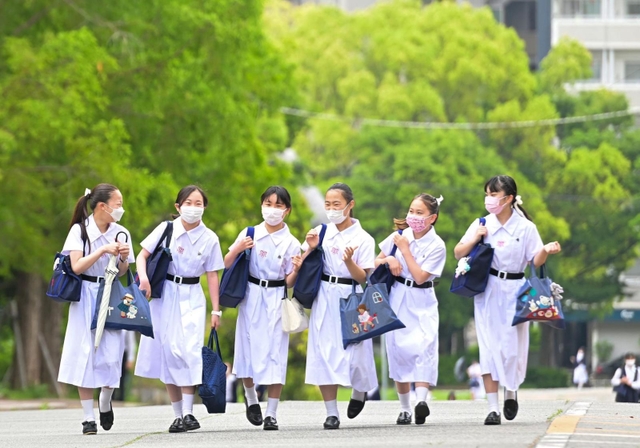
<point x="266" y="283"/>
<point x="507" y="275"/>
<point x="413" y="284"/>
<point x="90" y="278"/>
<point x="335" y="279"/>
<point x="183" y="280"/>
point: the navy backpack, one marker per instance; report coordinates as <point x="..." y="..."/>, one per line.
<point x="382" y="274"/>
<point x="310" y="275"/>
<point x="474" y="281"/>
<point x="234" y="280"/>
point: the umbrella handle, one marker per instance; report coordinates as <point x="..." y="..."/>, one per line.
<point x="126" y="237"/>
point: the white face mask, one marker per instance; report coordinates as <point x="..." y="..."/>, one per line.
<point x="116" y="213"/>
<point x="630" y="362"/>
<point x="336" y="216"/>
<point x="191" y="215"/>
<point x="272" y="216"/>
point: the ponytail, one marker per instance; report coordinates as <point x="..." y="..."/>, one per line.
<point x="100" y="193"/>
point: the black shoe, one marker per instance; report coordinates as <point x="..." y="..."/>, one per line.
<point x="492" y="419"/>
<point x="510" y="408"/>
<point x="89" y="428"/>
<point x="106" y="419"/>
<point x="422" y="412"/>
<point x="177" y="426"/>
<point x="331" y="422"/>
<point x="254" y="414"/>
<point x="355" y="407"/>
<point x="190" y="423"/>
<point x="404" y="418"/>
<point x="270" y="424"/>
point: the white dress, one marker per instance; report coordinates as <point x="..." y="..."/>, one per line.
<point x="413" y="351"/>
<point x="261" y="347"/>
<point x="175" y="354"/>
<point x="504" y="349"/>
<point x="327" y="361"/>
<point x="80" y="364"/>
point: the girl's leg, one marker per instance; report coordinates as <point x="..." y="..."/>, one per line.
<point x="330" y="397"/>
<point x="422" y="408"/>
<point x="188" y="393"/>
<point x="86" y="400"/>
<point x="274" y="391"/>
<point x="491" y="387"/>
<point x="175" y="395"/>
<point x="404" y="395"/>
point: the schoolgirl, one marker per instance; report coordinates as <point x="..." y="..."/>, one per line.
<point x="89" y="244"/>
<point x="261" y="347"/>
<point x="174" y="355"/>
<point x="413" y="351"/>
<point x="348" y="256"/>
<point x="516" y="241"/>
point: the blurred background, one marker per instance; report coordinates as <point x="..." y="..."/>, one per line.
<point x="238" y="95"/>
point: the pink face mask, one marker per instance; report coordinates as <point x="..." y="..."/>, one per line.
<point x="417" y="223"/>
<point x="492" y="204"/>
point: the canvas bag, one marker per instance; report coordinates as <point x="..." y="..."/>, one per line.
<point x="158" y="262"/>
<point x="294" y="319"/>
<point x="128" y="308"/>
<point x="535" y="301"/>
<point x="474" y="281"/>
<point x="382" y="274"/>
<point x="365" y="315"/>
<point x="234" y="280"/>
<point x="309" y="277"/>
<point x="213" y="389"/>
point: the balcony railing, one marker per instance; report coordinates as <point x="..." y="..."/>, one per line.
<point x="580" y="8"/>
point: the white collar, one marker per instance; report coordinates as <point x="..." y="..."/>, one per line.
<point x="93" y="232"/>
<point x="493" y="225"/>
<point x="349" y="232"/>
<point x="277" y="237"/>
<point x="193" y="234"/>
<point x="426" y="239"/>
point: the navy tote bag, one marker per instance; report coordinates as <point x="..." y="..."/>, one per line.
<point x="234" y="280"/>
<point x="158" y="263"/>
<point x="213" y="389"/>
<point x="474" y="281"/>
<point x="382" y="274"/>
<point x="310" y="274"/>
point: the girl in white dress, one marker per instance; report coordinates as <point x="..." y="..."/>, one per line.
<point x="91" y="240"/>
<point x="515" y="239"/>
<point x="261" y="347"/>
<point x="174" y="355"/>
<point x="413" y="351"/>
<point x="348" y="256"/>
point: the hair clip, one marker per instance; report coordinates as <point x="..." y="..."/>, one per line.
<point x="87" y="192"/>
<point x="439" y="200"/>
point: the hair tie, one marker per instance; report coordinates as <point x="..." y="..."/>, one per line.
<point x="87" y="192"/>
<point x="519" y="200"/>
<point x="439" y="200"/>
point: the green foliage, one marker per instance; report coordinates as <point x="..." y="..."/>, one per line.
<point x="604" y="349"/>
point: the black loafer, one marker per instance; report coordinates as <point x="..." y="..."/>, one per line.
<point x="254" y="414"/>
<point x="331" y="422"/>
<point x="270" y="424"/>
<point x="89" y="428"/>
<point x="492" y="419"/>
<point x="510" y="408"/>
<point x="106" y="419"/>
<point x="190" y="423"/>
<point x="404" y="418"/>
<point x="355" y="407"/>
<point x="422" y="412"/>
<point x="177" y="426"/>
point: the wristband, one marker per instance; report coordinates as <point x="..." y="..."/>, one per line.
<point x="216" y="313"/>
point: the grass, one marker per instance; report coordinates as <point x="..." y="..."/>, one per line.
<point x="554" y="415"/>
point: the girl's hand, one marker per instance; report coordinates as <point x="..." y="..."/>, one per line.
<point x="401" y="241"/>
<point x="394" y="265"/>
<point x="297" y="262"/>
<point x="111" y="249"/>
<point x="552" y="248"/>
<point x="348" y="253"/>
<point x="313" y="239"/>
<point x="124" y="252"/>
<point x="481" y="232"/>
<point x="215" y="322"/>
<point x="145" y="286"/>
<point x="245" y="244"/>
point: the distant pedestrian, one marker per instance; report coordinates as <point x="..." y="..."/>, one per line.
<point x="580" y="373"/>
<point x="476" y="385"/>
<point x="625" y="381"/>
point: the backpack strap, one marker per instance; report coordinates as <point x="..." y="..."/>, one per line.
<point x="393" y="251"/>
<point x="482" y="222"/>
<point x="167" y="234"/>
<point x="322" y="232"/>
<point x="250" y="231"/>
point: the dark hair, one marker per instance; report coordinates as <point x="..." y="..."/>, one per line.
<point x="281" y="193"/>
<point x="185" y="192"/>
<point x="629" y="355"/>
<point x="429" y="201"/>
<point x="347" y="194"/>
<point x="507" y="185"/>
<point x="100" y="193"/>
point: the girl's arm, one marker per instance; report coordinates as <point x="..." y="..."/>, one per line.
<point x="547" y="249"/>
<point x="394" y="264"/>
<point x="214" y="294"/>
<point x="141" y="265"/>
<point x="80" y="264"/>
<point x="237" y="249"/>
<point x="463" y="249"/>
<point x="419" y="276"/>
<point x="357" y="273"/>
<point x="293" y="275"/>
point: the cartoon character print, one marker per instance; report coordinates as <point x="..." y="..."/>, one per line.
<point x="366" y="320"/>
<point x="124" y="307"/>
<point x="133" y="310"/>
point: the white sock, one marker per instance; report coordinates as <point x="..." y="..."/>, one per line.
<point x="358" y="395"/>
<point x="272" y="407"/>
<point x="251" y="394"/>
<point x="332" y="408"/>
<point x="405" y="402"/>
<point x="87" y="407"/>
<point x="421" y="394"/>
<point x="104" y="402"/>
<point x="177" y="409"/>
<point x="494" y="405"/>
<point x="187" y="404"/>
<point x="509" y="394"/>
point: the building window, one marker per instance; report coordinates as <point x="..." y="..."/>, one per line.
<point x="633" y="7"/>
<point x="596" y="66"/>
<point x="632" y="71"/>
<point x="581" y="8"/>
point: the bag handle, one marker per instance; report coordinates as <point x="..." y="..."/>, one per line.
<point x="213" y="335"/>
<point x="483" y="222"/>
<point x="543" y="270"/>
<point x="250" y="234"/>
<point x="393" y="251"/>
<point x="323" y="230"/>
<point x="167" y="234"/>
